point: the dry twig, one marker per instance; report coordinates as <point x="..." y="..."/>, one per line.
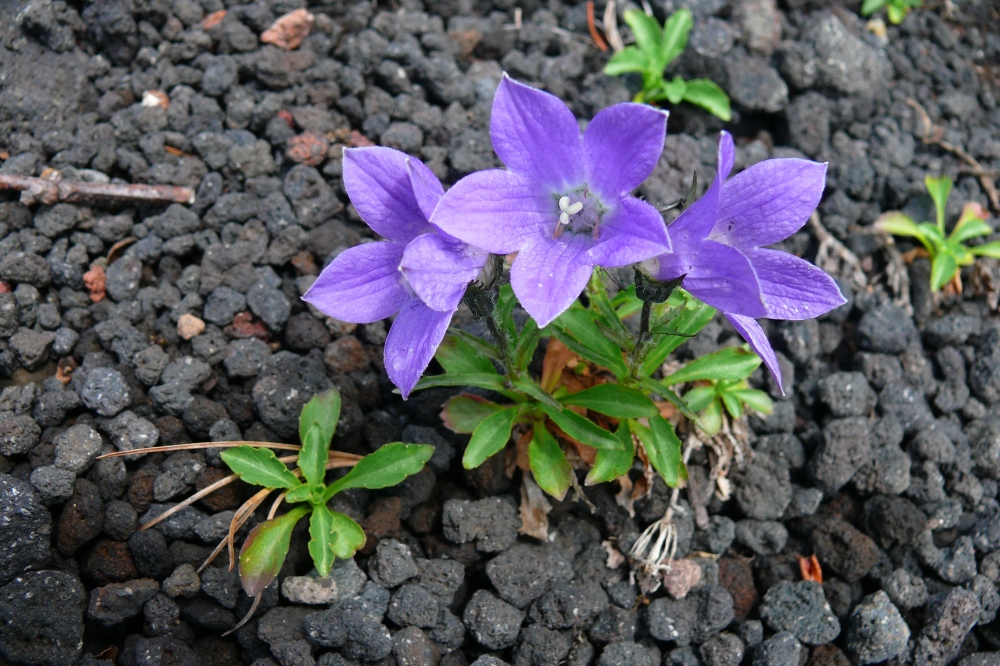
<point x="41" y="190"/>
<point x="611" y="27"/>
<point x="594" y="34"/>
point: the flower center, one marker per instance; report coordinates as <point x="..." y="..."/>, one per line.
<point x="579" y="212"/>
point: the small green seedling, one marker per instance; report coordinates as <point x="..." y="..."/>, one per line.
<point x="332" y="534"/>
<point x="947" y="253"/>
<point x="896" y="10"/>
<point x="722" y="384"/>
<point x="655" y="49"/>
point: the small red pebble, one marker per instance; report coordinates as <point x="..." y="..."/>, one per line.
<point x="213" y="19"/>
<point x="289" y="31"/>
<point x="5" y="288"/>
<point x="307" y="148"/>
<point x="359" y="140"/>
<point x="94" y="281"/>
<point x="287" y="117"/>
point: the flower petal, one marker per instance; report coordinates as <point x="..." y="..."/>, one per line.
<point x="698" y="220"/>
<point x="536" y="135"/>
<point x="633" y="232"/>
<point x="378" y="183"/>
<point x="769" y="202"/>
<point x="495" y="210"/>
<point x="754" y="334"/>
<point x="717" y="274"/>
<point x="362" y="284"/>
<point x="622" y="144"/>
<point x="549" y="274"/>
<point x="792" y="287"/>
<point x="412" y="341"/>
<point x="439" y="268"/>
<point x="427" y="188"/>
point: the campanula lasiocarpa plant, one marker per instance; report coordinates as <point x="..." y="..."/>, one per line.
<point x="896" y="10"/>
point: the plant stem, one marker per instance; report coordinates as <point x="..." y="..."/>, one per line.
<point x="642" y="336"/>
<point x="503" y="342"/>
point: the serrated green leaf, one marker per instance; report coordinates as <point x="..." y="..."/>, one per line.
<point x="674" y="90"/>
<point x="663" y="449"/>
<point x="312" y="457"/>
<point x="628" y="60"/>
<point x="613" y="400"/>
<point x="465" y="411"/>
<point x="259" y="467"/>
<point x="548" y="463"/>
<point x="754" y="399"/>
<point x="492" y="382"/>
<point x="709" y="96"/>
<point x="675" y="35"/>
<point x="387" y="466"/>
<point x="581" y="429"/>
<point x="869" y="7"/>
<point x="730" y="363"/>
<point x="457" y="356"/>
<point x="699" y="397"/>
<point x="264" y="550"/>
<point x="646" y="31"/>
<point x="321" y="539"/>
<point x="349" y="537"/>
<point x="527" y="343"/>
<point x="939" y="189"/>
<point x="490" y="437"/>
<point x="301" y="493"/>
<point x="943" y="269"/>
<point x="323" y="410"/>
<point x="609" y="465"/>
<point x="987" y="250"/>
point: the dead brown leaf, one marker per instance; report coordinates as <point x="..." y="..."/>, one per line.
<point x="534" y="509"/>
<point x="810" y="568"/>
<point x="118" y="249"/>
<point x="64" y="370"/>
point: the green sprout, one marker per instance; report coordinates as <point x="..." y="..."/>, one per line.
<point x="947" y="253"/>
<point x="896" y="10"/>
<point x="655" y="49"/>
<point x="721" y="380"/>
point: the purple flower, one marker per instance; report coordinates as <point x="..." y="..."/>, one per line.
<point x="718" y="247"/>
<point x="418" y="272"/>
<point x="563" y="203"/>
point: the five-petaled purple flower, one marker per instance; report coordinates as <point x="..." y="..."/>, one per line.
<point x="718" y="246"/>
<point x="563" y="203"/>
<point x="418" y="272"/>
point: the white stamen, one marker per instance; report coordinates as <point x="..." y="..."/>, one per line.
<point x="564" y="204"/>
<point x="564" y="218"/>
<point x="575" y="208"/>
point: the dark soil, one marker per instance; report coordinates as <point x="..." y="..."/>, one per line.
<point x="883" y="459"/>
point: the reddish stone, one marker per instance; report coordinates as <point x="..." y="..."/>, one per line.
<point x="736" y="576"/>
<point x="287" y="117"/>
<point x="81" y="519"/>
<point x="345" y="355"/>
<point x="213" y="19"/>
<point x="226" y="497"/>
<point x="383" y="520"/>
<point x="140" y="489"/>
<point x="307" y="148"/>
<point x="289" y="31"/>
<point x="94" y="280"/>
<point x="244" y="326"/>
<point x="827" y="654"/>
<point x="358" y="140"/>
<point x="110" y="562"/>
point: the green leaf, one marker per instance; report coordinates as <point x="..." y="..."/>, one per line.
<point x="609" y="465"/>
<point x="939" y="189"/>
<point x="730" y="363"/>
<point x="387" y="466"/>
<point x="490" y="437"/>
<point x="699" y="397"/>
<point x="313" y="456"/>
<point x="527" y="343"/>
<point x="987" y="250"/>
<point x="754" y="399"/>
<point x="898" y="224"/>
<point x="630" y="59"/>
<point x="321" y="539"/>
<point x="463" y="412"/>
<point x="657" y="387"/>
<point x="709" y="96"/>
<point x="576" y="329"/>
<point x="323" y="410"/>
<point x="896" y="13"/>
<point x="548" y="463"/>
<point x="970" y="224"/>
<point x="492" y="382"/>
<point x="457" y="356"/>
<point x="732" y="404"/>
<point x="504" y="311"/>
<point x="581" y="429"/>
<point x="487" y="349"/>
<point x="663" y="449"/>
<point x="675" y="35"/>
<point x="613" y="400"/>
<point x="674" y="90"/>
<point x="869" y="7"/>
<point x="349" y="537"/>
<point x="943" y="269"/>
<point x="691" y="319"/>
<point x="264" y="550"/>
<point x="527" y="385"/>
<point x="302" y="493"/>
<point x="711" y="418"/>
<point x="646" y="31"/>
<point x="259" y="467"/>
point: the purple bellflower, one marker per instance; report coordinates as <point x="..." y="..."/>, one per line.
<point x="718" y="246"/>
<point x="563" y="203"/>
<point x="418" y="272"/>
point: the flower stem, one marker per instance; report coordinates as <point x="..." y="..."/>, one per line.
<point x="503" y="343"/>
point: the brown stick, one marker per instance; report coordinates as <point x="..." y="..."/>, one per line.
<point x="40" y="190"/>
<point x="202" y="445"/>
